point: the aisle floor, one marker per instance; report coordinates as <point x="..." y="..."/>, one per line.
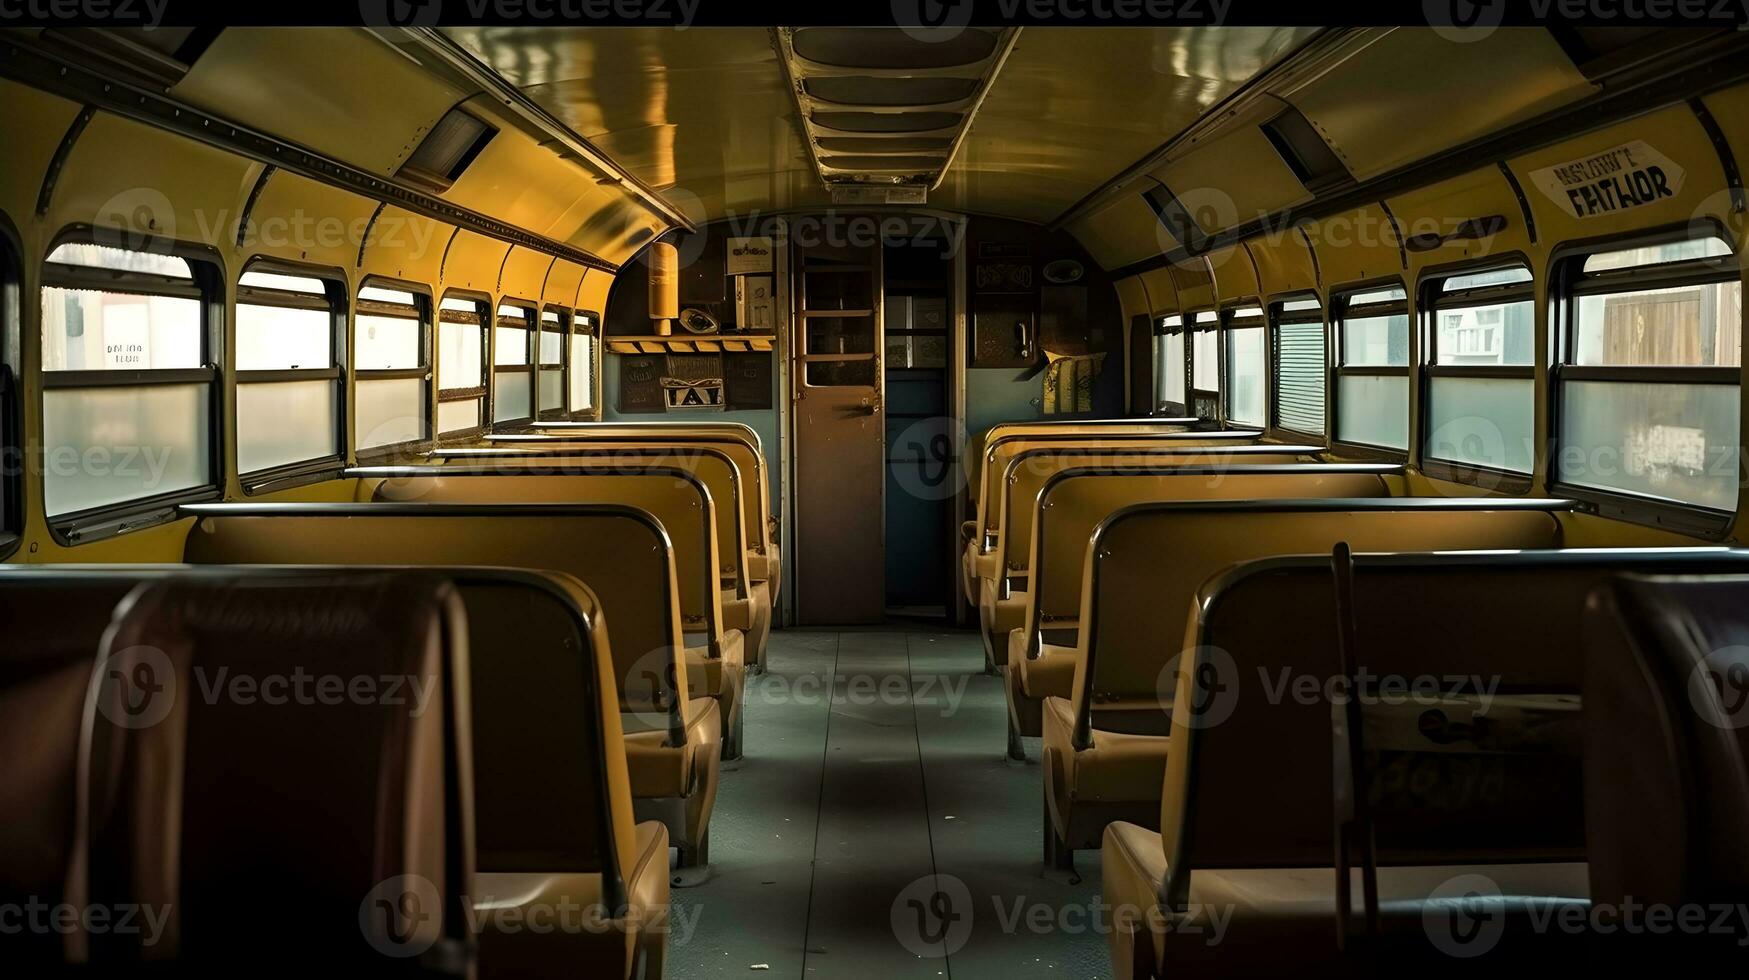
<point x="875" y="828"/>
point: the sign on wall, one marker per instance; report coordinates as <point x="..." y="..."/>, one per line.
<point x="1620" y="178"/>
<point x="749" y="256"/>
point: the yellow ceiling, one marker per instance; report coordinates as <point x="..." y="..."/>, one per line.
<point x="703" y="115"/>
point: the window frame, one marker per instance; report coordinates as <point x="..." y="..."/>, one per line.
<point x="586" y="323"/>
<point x="531" y="325"/>
<point x="339" y="308"/>
<point x="1337" y="311"/>
<point x="11" y="394"/>
<point x="566" y="318"/>
<point x="1195" y="324"/>
<point x="207" y="287"/>
<point x="1429" y="305"/>
<point x="426" y="309"/>
<point x="1228" y="320"/>
<point x="1568" y="282"/>
<point x="1162" y="330"/>
<point x="487" y="312"/>
<point x="1276" y="314"/>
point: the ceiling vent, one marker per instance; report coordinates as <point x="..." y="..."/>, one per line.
<point x="885" y="110"/>
<point x="447" y="150"/>
<point x="1304" y="151"/>
<point x="158" y="57"/>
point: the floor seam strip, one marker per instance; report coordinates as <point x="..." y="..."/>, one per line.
<point x="923" y="781"/>
<point x="820" y="802"/>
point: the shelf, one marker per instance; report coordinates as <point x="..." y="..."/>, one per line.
<point x="690" y="343"/>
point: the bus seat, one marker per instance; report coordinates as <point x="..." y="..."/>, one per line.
<point x="1067" y="508"/>
<point x="1141" y="574"/>
<point x="53" y="623"/>
<point x="1278" y="614"/>
<point x="367" y="796"/>
<point x="619" y="552"/>
<point x="1667" y="735"/>
<point x="674" y="496"/>
<point x="556" y="827"/>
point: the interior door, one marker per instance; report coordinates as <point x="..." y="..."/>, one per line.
<point x="840" y="445"/>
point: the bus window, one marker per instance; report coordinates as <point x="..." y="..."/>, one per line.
<point x="1299" y="365"/>
<point x="1169" y="365"/>
<point x="1244" y="385"/>
<point x="1480" y="363"/>
<point x="461" y="366"/>
<point x="289" y="333"/>
<point x="1648" y="385"/>
<point x="513" y="364"/>
<point x="1372" y="368"/>
<point x="128" y="381"/>
<point x="585" y="380"/>
<point x="391" y="361"/>
<point x="551" y="378"/>
<point x="1205" y="364"/>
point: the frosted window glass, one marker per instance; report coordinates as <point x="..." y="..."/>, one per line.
<point x="285" y="422"/>
<point x="1674" y="441"/>
<point x="1373" y="411"/>
<point x="458" y="359"/>
<point x="510" y="396"/>
<point x="552" y="347"/>
<point x="386" y="342"/>
<point x="552" y="388"/>
<point x="290" y="284"/>
<point x="1174" y="387"/>
<point x="512" y="346"/>
<point x="277" y="338"/>
<point x="582" y="372"/>
<point x="1482" y="422"/>
<point x="1374" y="341"/>
<point x="121" y="260"/>
<point x="87" y="330"/>
<point x="1206" y="369"/>
<point x="388" y="411"/>
<point x="456" y="416"/>
<point x="105" y="446"/>
<point x="1245" y="376"/>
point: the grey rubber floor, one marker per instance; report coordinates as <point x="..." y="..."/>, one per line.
<point x="875" y="829"/>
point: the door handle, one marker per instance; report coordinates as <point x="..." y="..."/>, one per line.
<point x="861" y="410"/>
<point x="1023" y="338"/>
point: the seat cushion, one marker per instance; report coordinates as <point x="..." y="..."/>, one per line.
<point x="705" y="673"/>
<point x="1281" y="917"/>
<point x="544" y="924"/>
<point x="659" y="770"/>
<point x="1051" y="675"/>
<point x="1132" y="865"/>
<point x="1118" y="768"/>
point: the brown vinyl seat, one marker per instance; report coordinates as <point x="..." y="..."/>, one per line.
<point x="984" y="560"/>
<point x="1067" y="507"/>
<point x="53" y="621"/>
<point x="1667" y="739"/>
<point x="675" y="496"/>
<point x="740" y="441"/>
<point x="1247" y="806"/>
<point x="363" y="835"/>
<point x="621" y="553"/>
<point x="745" y="602"/>
<point x="1140" y="576"/>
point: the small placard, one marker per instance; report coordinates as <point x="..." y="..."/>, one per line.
<point x="640" y="383"/>
<point x="747" y="381"/>
<point x="707" y="394"/>
<point x="749" y="256"/>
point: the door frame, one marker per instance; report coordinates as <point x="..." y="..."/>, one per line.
<point x="958" y="226"/>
